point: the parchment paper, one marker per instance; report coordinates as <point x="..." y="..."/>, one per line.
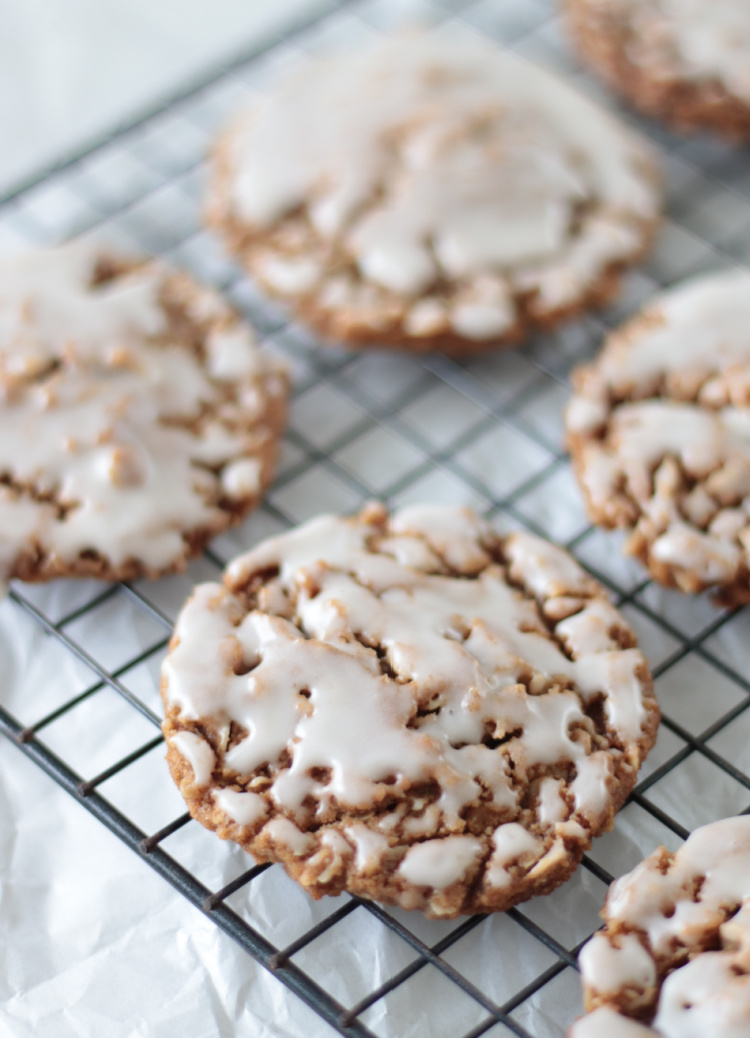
<point x="93" y="943"/>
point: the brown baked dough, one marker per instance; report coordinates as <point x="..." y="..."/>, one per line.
<point x="432" y="198"/>
<point x="138" y="417"/>
<point x="631" y="44"/>
<point x="408" y="707"/>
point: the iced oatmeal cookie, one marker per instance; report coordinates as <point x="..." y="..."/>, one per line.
<point x="138" y="418"/>
<point x="411" y="708"/>
<point x="659" y="433"/>
<point x="433" y="196"/>
<point x="686" y="62"/>
<point x="673" y="960"/>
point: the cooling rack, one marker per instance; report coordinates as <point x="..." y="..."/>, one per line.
<point x="485" y="432"/>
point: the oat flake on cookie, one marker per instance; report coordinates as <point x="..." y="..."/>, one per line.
<point x="138" y="417"/>
<point x="433" y="194"/>
<point x="659" y="433"/>
<point x="411" y="708"/>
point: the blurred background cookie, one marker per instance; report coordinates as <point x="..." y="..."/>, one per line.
<point x="686" y="62"/>
<point x="659" y="433"/>
<point x="674" y="952"/>
<point x="138" y="418"/>
<point x="433" y="196"/>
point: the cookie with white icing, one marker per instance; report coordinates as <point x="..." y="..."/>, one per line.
<point x="410" y="708"/>
<point x="427" y="194"/>
<point x="138" y="417"/>
<point x="673" y="960"/>
<point x="659" y="432"/>
<point x="686" y="62"/>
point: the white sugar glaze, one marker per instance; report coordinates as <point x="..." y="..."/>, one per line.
<point x="94" y="413"/>
<point x="369" y="845"/>
<point x="286" y="833"/>
<point x="197" y="753"/>
<point x="242" y="808"/>
<point x="511" y="843"/>
<point x="439" y="863"/>
<point x="428" y="161"/>
<point x="705" y="890"/>
<point x="608" y="967"/>
<point x="459" y="647"/>
<point x="693" y="38"/>
<point x="692" y="340"/>
<point x="698" y="326"/>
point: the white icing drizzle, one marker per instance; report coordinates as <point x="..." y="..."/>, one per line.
<point x="590" y="788"/>
<point x="693" y="340"/>
<point x="241" y="478"/>
<point x="609" y="967"/>
<point x="370" y="847"/>
<point x="242" y="808"/>
<point x="424" y="824"/>
<point x="440" y="863"/>
<point x="705" y="997"/>
<point x="286" y="833"/>
<point x="590" y="630"/>
<point x="511" y="842"/>
<point x="699" y="325"/>
<point x="425" y="162"/>
<point x="197" y="753"/>
<point x="546" y="570"/>
<point x="720" y="852"/>
<point x="677" y="906"/>
<point x="95" y="405"/>
<point x="691" y="39"/>
<point x="458" y="648"/>
<point x="552" y="806"/>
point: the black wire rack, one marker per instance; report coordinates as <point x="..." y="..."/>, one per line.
<point x="486" y="432"/>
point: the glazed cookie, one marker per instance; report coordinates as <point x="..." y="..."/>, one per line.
<point x="674" y="958"/>
<point x="433" y="195"/>
<point x="138" y="418"/>
<point x="684" y="61"/>
<point x="659" y="432"/>
<point x="411" y="708"/>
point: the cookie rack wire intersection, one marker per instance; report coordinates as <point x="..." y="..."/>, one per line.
<point x="67" y="199"/>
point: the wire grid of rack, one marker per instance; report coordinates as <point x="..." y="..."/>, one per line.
<point x="486" y="432"/>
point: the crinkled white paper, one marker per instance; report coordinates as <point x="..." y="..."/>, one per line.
<point x="95" y="943"/>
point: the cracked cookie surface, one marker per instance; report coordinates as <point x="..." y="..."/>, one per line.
<point x="138" y="418"/>
<point x="659" y="434"/>
<point x="428" y="196"/>
<point x="410" y="708"/>
<point x="673" y="960"/>
<point x="686" y="62"/>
